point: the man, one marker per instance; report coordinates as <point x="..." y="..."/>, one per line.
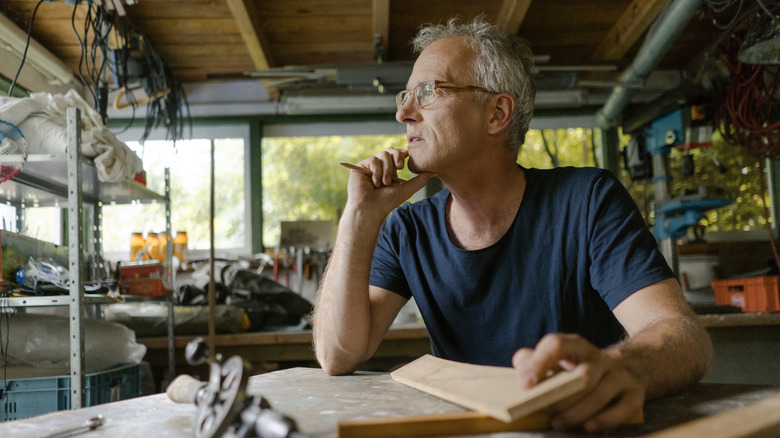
<point x="542" y="270"/>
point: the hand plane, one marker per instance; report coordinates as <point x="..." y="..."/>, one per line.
<point x="224" y="407"/>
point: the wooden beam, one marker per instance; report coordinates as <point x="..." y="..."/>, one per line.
<point x="636" y="19"/>
<point x="511" y="15"/>
<point x="248" y="23"/>
<point x="381" y="18"/>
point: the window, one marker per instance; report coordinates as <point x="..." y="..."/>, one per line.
<point x="302" y="178"/>
<point x="548" y="148"/>
<point x="189" y="164"/>
<point x="740" y="183"/>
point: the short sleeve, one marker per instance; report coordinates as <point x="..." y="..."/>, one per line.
<point x="386" y="270"/>
<point x="624" y="255"/>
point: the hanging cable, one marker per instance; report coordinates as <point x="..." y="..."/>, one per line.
<point x="27" y="46"/>
<point x="748" y="115"/>
<point x="167" y="104"/>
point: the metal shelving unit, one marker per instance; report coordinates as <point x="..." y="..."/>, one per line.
<point x="52" y="179"/>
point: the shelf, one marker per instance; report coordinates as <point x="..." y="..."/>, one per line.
<point x="64" y="300"/>
<point x="71" y="181"/>
<point x="44" y="183"/>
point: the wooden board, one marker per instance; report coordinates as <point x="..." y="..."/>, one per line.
<point x="494" y="391"/>
<point x="455" y="423"/>
<point x="760" y="419"/>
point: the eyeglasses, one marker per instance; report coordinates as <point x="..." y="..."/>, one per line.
<point x="425" y="93"/>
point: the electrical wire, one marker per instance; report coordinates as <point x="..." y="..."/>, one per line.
<point x="167" y="103"/>
<point x="748" y="115"/>
<point x="772" y="14"/>
<point x="27" y="46"/>
<point x="718" y="6"/>
<point x="83" y="53"/>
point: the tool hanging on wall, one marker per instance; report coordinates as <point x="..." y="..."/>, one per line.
<point x="677" y="120"/>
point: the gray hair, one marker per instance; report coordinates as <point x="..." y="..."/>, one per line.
<point x="504" y="63"/>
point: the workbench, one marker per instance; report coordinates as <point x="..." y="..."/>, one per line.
<point x="404" y="340"/>
<point x="745" y="347"/>
<point x="317" y="402"/>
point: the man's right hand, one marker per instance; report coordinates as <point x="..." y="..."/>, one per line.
<point x="381" y="192"/>
<point x="350" y="316"/>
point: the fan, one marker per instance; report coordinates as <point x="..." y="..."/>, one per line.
<point x="13" y="151"/>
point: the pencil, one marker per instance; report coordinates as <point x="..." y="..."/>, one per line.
<point x="365" y="171"/>
<point x="358" y="169"/>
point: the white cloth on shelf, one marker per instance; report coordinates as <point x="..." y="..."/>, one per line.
<point x="43" y="341"/>
<point x="42" y="120"/>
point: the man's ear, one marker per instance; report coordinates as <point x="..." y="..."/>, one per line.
<point x="502" y="108"/>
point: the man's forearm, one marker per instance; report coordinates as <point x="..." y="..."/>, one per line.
<point x="342" y="314"/>
<point x="667" y="355"/>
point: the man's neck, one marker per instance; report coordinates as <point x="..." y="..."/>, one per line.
<point x="481" y="208"/>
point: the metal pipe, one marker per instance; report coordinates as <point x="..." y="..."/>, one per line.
<point x="660" y="37"/>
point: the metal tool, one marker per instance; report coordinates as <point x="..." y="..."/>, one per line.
<point x="224" y="408"/>
<point x="91" y="424"/>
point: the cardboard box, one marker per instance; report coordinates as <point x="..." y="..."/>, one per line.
<point x="756" y="294"/>
<point x="142" y="278"/>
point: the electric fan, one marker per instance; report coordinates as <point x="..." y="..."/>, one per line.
<point x="13" y="151"/>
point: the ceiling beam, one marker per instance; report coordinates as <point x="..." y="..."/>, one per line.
<point x="511" y="15"/>
<point x="248" y="23"/>
<point x="636" y="19"/>
<point x="381" y="15"/>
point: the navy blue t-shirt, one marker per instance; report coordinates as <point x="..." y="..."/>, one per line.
<point x="576" y="249"/>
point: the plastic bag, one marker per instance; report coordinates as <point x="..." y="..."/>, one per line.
<point x="42" y="271"/>
<point x="44" y="341"/>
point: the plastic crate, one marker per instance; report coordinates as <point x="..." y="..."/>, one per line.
<point x="143" y="278"/>
<point x="755" y="294"/>
<point x="24" y="398"/>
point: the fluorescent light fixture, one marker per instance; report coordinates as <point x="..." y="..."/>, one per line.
<point x="561" y="98"/>
<point x="386" y="103"/>
<point x="339" y="104"/>
<point x="14" y="40"/>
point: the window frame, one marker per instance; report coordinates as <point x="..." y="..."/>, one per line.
<point x="209" y="131"/>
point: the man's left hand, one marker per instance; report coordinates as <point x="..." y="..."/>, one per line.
<point x="612" y="395"/>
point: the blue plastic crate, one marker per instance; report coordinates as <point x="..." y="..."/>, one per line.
<point x="24" y="398"/>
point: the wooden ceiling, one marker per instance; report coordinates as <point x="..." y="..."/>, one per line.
<point x="214" y="40"/>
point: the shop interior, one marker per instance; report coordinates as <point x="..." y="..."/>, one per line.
<point x="169" y="171"/>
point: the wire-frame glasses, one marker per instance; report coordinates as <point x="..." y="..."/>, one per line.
<point x="425" y="93"/>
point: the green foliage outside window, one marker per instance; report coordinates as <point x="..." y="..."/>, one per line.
<point x="546" y="149"/>
<point x="302" y="178"/>
<point x="740" y="183"/>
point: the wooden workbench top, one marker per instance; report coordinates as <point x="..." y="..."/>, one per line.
<point x="739" y="319"/>
<point x="318" y="401"/>
<point x="418" y="331"/>
<point x="406" y="331"/>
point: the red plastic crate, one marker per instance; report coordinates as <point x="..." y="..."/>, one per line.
<point x="142" y="278"/>
<point x="755" y="294"/>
